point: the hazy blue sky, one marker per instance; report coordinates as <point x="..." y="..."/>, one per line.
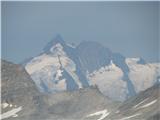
<point x="130" y="28"/>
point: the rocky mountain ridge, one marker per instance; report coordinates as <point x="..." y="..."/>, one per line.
<point x="61" y="67"/>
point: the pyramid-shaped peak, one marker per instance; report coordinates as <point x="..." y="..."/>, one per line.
<point x="56" y="40"/>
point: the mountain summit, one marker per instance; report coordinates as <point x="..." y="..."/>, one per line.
<point x="57" y="40"/>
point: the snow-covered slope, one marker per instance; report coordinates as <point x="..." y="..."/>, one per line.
<point x="142" y="76"/>
<point x="54" y="70"/>
<point x="63" y="67"/>
<point x="111" y="82"/>
<point x="46" y="69"/>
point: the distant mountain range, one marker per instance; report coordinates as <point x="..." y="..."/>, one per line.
<point x="62" y="67"/>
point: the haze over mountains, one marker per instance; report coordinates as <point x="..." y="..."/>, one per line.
<point x="84" y="82"/>
<point x="71" y="79"/>
<point x="62" y="67"/>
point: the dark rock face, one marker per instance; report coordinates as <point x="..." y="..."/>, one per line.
<point x="93" y="55"/>
<point x="14" y="77"/>
<point x="119" y="60"/>
<point x="57" y="39"/>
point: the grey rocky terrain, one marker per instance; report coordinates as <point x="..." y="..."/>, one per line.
<point x="144" y="106"/>
<point x="20" y="92"/>
<point x="21" y="100"/>
<point x="18" y="89"/>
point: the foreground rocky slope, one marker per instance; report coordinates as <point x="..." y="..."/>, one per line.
<point x="77" y="105"/>
<point x="144" y="106"/>
<point x="18" y="91"/>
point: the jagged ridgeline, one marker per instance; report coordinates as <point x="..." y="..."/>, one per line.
<point x="62" y="67"/>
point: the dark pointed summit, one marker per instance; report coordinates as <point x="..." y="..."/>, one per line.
<point x="56" y="40"/>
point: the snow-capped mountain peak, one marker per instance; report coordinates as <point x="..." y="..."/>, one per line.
<point x="53" y="70"/>
<point x="63" y="67"/>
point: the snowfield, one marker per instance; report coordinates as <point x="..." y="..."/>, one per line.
<point x="142" y="76"/>
<point x="107" y="79"/>
<point x="46" y="70"/>
<point x="110" y="77"/>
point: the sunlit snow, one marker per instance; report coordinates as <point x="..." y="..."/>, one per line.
<point x="140" y="103"/>
<point x="45" y="69"/>
<point x="142" y="76"/>
<point x="11" y="113"/>
<point x="4" y="105"/>
<point x="149" y="104"/>
<point x="10" y="105"/>
<point x="107" y="79"/>
<point x="126" y="118"/>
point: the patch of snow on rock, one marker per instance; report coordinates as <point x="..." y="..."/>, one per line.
<point x="4" y="105"/>
<point x="149" y="104"/>
<point x="127" y="118"/>
<point x="11" y="113"/>
<point x="103" y="113"/>
<point x="140" y="103"/>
